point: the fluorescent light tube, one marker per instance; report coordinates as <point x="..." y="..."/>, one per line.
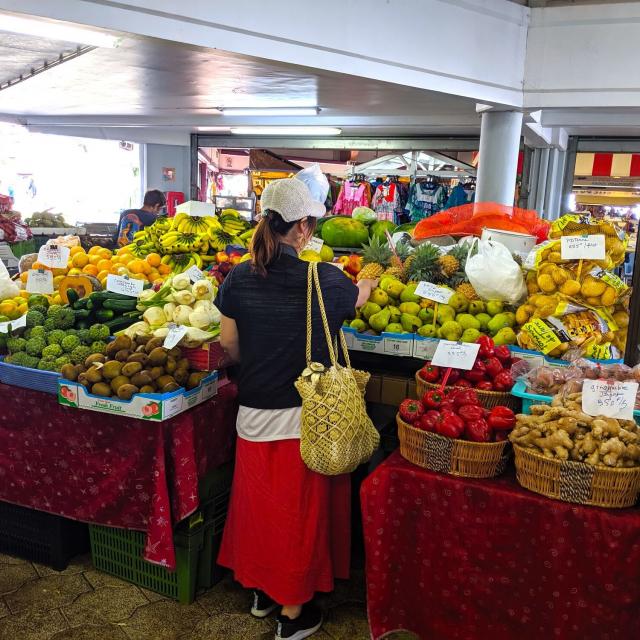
<point x="270" y="111"/>
<point x="57" y="31"/>
<point x="286" y="131"/>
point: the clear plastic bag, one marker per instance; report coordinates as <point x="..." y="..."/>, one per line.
<point x="316" y="182"/>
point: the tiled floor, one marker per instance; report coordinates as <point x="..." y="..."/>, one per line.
<point x="80" y="603"/>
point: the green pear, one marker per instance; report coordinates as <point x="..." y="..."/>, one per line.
<point x="511" y="318"/>
<point x="410" y="322"/>
<point x="470" y="335"/>
<point x="412" y="308"/>
<point x="426" y="315"/>
<point x="428" y="331"/>
<point x="396" y="288"/>
<point x="506" y="335"/>
<point x="467" y="321"/>
<point x="450" y="330"/>
<point x="445" y="313"/>
<point x="395" y="313"/>
<point x="394" y="327"/>
<point x="359" y="325"/>
<point x="459" y="302"/>
<point x="379" y="321"/>
<point x="369" y="308"/>
<point x="499" y="321"/>
<point x="379" y="297"/>
<point x="483" y="319"/>
<point x="476" y="307"/>
<point x="385" y="282"/>
<point x="494" y="307"/>
<point x="409" y="293"/>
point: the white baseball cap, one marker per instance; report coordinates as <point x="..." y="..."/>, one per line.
<point x="292" y="199"/>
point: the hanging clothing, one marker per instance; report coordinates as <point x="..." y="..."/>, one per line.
<point x="385" y="201"/>
<point x="351" y="196"/>
<point x="460" y="195"/>
<point x="426" y="199"/>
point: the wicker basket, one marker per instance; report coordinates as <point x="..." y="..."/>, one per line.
<point x="456" y="457"/>
<point x="488" y="399"/>
<point x="577" y="481"/>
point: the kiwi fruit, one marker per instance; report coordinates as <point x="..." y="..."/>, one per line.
<point x="69" y="372"/>
<point x="139" y="356"/>
<point x="154" y="343"/>
<point x="196" y="378"/>
<point x="93" y="358"/>
<point x="142" y="339"/>
<point x="142" y="378"/>
<point x="164" y="380"/>
<point x="147" y="388"/>
<point x="123" y="355"/>
<point x="156" y="372"/>
<point x="183" y="363"/>
<point x="170" y="386"/>
<point x="175" y="353"/>
<point x="82" y="379"/>
<point x="116" y="383"/>
<point x="94" y="374"/>
<point x="101" y="389"/>
<point x="120" y="343"/>
<point x="131" y="368"/>
<point x="111" y="369"/>
<point x="170" y="365"/>
<point x="141" y="349"/>
<point x="157" y="356"/>
<point x="181" y="376"/>
<point x="126" y="391"/>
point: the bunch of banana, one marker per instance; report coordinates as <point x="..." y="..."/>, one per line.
<point x="180" y="262"/>
<point x="232" y="223"/>
<point x="194" y="224"/>
<point x="178" y="242"/>
<point x="219" y="239"/>
<point x="141" y="248"/>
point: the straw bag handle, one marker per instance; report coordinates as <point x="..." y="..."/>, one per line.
<point x="312" y="273"/>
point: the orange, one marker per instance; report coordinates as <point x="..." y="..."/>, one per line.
<point x="105" y="253"/>
<point x="74" y="272"/>
<point x="80" y="260"/>
<point x="74" y="250"/>
<point x="91" y="269"/>
<point x="23" y="308"/>
<point x="24" y="294"/>
<point x="123" y="251"/>
<point x="39" y="265"/>
<point x="23" y="277"/>
<point x="154" y="259"/>
<point x="94" y="259"/>
<point x="153" y="275"/>
<point x="138" y="276"/>
<point x="122" y="271"/>
<point x="57" y="280"/>
<point x="136" y="266"/>
<point x="102" y="274"/>
<point x="93" y="250"/>
<point x="146" y="267"/>
<point x="103" y="282"/>
<point x="104" y="265"/>
<point x="164" y="269"/>
<point x="59" y="272"/>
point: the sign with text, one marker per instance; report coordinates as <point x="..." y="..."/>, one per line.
<point x="609" y="398"/>
<point x="176" y="333"/>
<point x="433" y="292"/>
<point x="315" y="244"/>
<point x="125" y="286"/>
<point x="398" y="346"/>
<point x="194" y="273"/>
<point x="459" y="355"/>
<point x="12" y="325"/>
<point x="582" y="247"/>
<point x="543" y="335"/>
<point x="51" y="255"/>
<point x="39" y="281"/>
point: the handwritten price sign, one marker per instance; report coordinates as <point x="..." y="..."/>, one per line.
<point x="51" y="255"/>
<point x="433" y="292"/>
<point x="176" y="333"/>
<point x="125" y="286"/>
<point x="39" y="281"/>
<point x="194" y="273"/>
<point x="582" y="247"/>
<point x="611" y="399"/>
<point x="315" y="244"/>
<point x="459" y="355"/>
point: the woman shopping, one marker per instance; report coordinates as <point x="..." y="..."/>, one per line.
<point x="287" y="533"/>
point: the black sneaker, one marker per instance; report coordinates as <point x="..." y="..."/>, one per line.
<point x="263" y="605"/>
<point x="305" y="625"/>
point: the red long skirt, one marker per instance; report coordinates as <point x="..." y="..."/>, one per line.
<point x="288" y="528"/>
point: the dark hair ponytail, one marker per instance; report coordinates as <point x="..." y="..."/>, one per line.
<point x="266" y="241"/>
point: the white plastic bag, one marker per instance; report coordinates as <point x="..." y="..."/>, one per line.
<point x="8" y="289"/>
<point x="316" y="181"/>
<point x="493" y="272"/>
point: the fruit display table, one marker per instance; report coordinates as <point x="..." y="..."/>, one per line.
<point x="457" y="558"/>
<point x="112" y="470"/>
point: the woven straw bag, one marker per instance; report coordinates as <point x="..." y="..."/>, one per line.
<point x="336" y="434"/>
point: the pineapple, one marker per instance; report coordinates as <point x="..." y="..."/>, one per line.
<point x="422" y="264"/>
<point x="448" y="265"/>
<point x="397" y="268"/>
<point x="467" y="290"/>
<point x="376" y="257"/>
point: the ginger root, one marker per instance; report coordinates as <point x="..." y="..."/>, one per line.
<point x="558" y="443"/>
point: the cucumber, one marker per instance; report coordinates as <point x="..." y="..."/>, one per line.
<point x="104" y="315"/>
<point x="100" y="296"/>
<point x="119" y="323"/>
<point x="80" y="304"/>
<point x="72" y="295"/>
<point x="82" y="314"/>
<point x="120" y="305"/>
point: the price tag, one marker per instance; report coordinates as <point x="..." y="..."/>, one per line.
<point x="315" y="244"/>
<point x="582" y="247"/>
<point x="13" y="324"/>
<point x="39" y="281"/>
<point x="459" y="355"/>
<point x="194" y="273"/>
<point x="124" y="285"/>
<point x="51" y="255"/>
<point x="611" y="399"/>
<point x="398" y="347"/>
<point x="433" y="292"/>
<point x="424" y="349"/>
<point x="543" y="336"/>
<point x="176" y="333"/>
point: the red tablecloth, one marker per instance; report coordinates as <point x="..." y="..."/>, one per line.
<point x="112" y="470"/>
<point x="454" y="558"/>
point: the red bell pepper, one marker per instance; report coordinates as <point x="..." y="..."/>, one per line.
<point x="410" y="410"/>
<point x="465" y="396"/>
<point x="501" y="419"/>
<point x="450" y="424"/>
<point x="430" y="373"/>
<point x="454" y="376"/>
<point x="501" y="436"/>
<point x="432" y="399"/>
<point x="485" y="385"/>
<point x="463" y="384"/>
<point x="471" y="412"/>
<point x="486" y="346"/>
<point x="503" y="354"/>
<point x="477" y="431"/>
<point x="428" y="421"/>
<point x="493" y="367"/>
<point x="477" y="372"/>
<point x="503" y="381"/>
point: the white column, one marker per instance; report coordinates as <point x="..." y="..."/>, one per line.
<point x="498" y="160"/>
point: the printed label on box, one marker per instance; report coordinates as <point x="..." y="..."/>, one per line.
<point x="609" y="398"/>
<point x="124" y="285"/>
<point x="583" y="247"/>
<point x="51" y="255"/>
<point x="398" y="346"/>
<point x="39" y="281"/>
<point x="424" y="348"/>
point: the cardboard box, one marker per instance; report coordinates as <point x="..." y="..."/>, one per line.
<point x="391" y="344"/>
<point x="196" y="208"/>
<point x="145" y="406"/>
<point x="394" y="390"/>
<point x="374" y="388"/>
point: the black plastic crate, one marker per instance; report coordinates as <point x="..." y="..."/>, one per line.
<point x="41" y="537"/>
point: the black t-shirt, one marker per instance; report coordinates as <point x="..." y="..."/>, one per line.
<point x="270" y="313"/>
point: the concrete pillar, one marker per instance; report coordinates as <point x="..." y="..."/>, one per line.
<point x="498" y="161"/>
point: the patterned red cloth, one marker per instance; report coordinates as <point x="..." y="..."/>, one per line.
<point x="112" y="470"/>
<point x="452" y="558"/>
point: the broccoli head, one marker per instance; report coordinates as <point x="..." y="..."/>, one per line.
<point x="52" y="352"/>
<point x="50" y="324"/>
<point x="99" y="332"/>
<point x="80" y="354"/>
<point x="53" y="310"/>
<point x="35" y="318"/>
<point x="61" y="361"/>
<point x="37" y="332"/>
<point x="56" y="336"/>
<point x="98" y="347"/>
<point x="35" y="346"/>
<point x="38" y="300"/>
<point x="47" y="365"/>
<point x="65" y="318"/>
<point x="16" y="344"/>
<point x="69" y="343"/>
<point x="83" y="334"/>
